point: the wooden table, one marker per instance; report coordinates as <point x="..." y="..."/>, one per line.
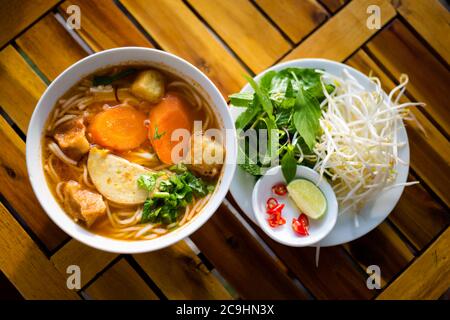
<point x="229" y="257"/>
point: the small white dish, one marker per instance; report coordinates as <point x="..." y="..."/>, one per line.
<point x="318" y="228"/>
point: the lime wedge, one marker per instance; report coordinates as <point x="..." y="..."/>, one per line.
<point x="308" y="198"/>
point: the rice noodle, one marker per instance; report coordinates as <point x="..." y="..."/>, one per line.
<point x="86" y="177"/>
<point x="58" y="190"/>
<point x="63" y="119"/>
<point x="53" y="147"/>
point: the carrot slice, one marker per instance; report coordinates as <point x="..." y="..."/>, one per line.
<point x="119" y="128"/>
<point x="170" y="114"/>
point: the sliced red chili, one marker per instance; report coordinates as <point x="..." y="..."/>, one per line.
<point x="279" y="207"/>
<point x="272" y="222"/>
<point x="304" y="220"/>
<point x="271" y="203"/>
<point x="279" y="189"/>
<point x="300" y="227"/>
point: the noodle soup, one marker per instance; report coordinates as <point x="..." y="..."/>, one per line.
<point x="109" y="153"/>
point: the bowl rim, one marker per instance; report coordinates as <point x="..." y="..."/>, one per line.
<point x="330" y="196"/>
<point x="55" y="211"/>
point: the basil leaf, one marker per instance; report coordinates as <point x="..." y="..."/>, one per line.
<point x="289" y="164"/>
<point x="262" y="96"/>
<point x="306" y="117"/>
<point x="266" y="81"/>
<point x="241" y="99"/>
<point x="246" y="117"/>
<point x="272" y="139"/>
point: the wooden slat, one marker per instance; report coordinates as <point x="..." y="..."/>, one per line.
<point x="431" y="20"/>
<point x="54" y="56"/>
<point x="426" y="142"/>
<point x="240" y="24"/>
<point x="428" y="277"/>
<point x="91" y="261"/>
<point x="295" y="18"/>
<point x="346" y="281"/>
<point x="400" y="51"/>
<point x="104" y="26"/>
<point x="343" y="34"/>
<point x="7" y="289"/>
<point x="16" y="188"/>
<point x="120" y="282"/>
<point x="26" y="266"/>
<point x="384" y="248"/>
<point x="241" y="260"/>
<point x="20" y="87"/>
<point x="177" y="29"/>
<point x="419" y="217"/>
<point x="334" y="5"/>
<point x="180" y="274"/>
<point x="19" y="14"/>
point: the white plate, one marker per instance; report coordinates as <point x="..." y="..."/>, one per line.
<point x="374" y="212"/>
<point x="318" y="228"/>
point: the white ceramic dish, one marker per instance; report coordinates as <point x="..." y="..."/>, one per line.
<point x="69" y="78"/>
<point x="374" y="212"/>
<point x="318" y="228"/>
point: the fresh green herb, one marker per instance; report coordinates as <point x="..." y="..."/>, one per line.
<point x="158" y="135"/>
<point x="105" y="80"/>
<point x="172" y="195"/>
<point x="262" y="96"/>
<point x="306" y="117"/>
<point x="241" y="99"/>
<point x="147" y="182"/>
<point x="286" y="103"/>
<point x="289" y="164"/>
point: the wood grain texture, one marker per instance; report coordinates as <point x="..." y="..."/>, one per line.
<point x="19" y="14"/>
<point x="398" y="50"/>
<point x="384" y="248"/>
<point x="50" y="46"/>
<point x="333" y="5"/>
<point x="120" y="282"/>
<point x="105" y="26"/>
<point x="241" y="259"/>
<point x="428" y="277"/>
<point x="419" y="216"/>
<point x="180" y="274"/>
<point x="425" y="140"/>
<point x="295" y="18"/>
<point x="239" y="24"/>
<point x="347" y="280"/>
<point x="431" y="20"/>
<point x="20" y="87"/>
<point x="16" y="188"/>
<point x="91" y="261"/>
<point x="26" y="266"/>
<point x="177" y="30"/>
<point x="343" y="34"/>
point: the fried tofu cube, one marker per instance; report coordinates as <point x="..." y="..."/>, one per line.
<point x="149" y="85"/>
<point x="71" y="137"/>
<point x="83" y="204"/>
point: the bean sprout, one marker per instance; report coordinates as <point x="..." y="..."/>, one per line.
<point x="359" y="148"/>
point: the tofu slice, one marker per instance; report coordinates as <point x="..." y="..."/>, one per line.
<point x="116" y="178"/>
